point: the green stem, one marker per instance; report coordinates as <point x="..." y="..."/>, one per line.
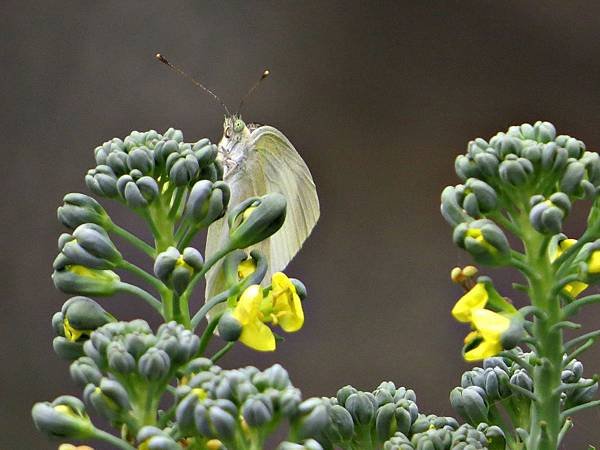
<point x="147" y="297"/>
<point x="208" y="334"/>
<point x="545" y="421"/>
<point x="179" y="193"/>
<point x="132" y="239"/>
<point x="151" y="280"/>
<point x="217" y="356"/>
<point x="107" y="437"/>
<point x="569" y="412"/>
<point x="574" y="307"/>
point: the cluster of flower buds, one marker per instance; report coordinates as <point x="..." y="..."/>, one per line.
<point x="503" y="381"/>
<point x="232" y="405"/>
<point x="124" y="365"/>
<point x="133" y="169"/>
<point x="464" y="437"/>
<point x="388" y="417"/>
<point x="528" y="166"/>
<point x="176" y="268"/>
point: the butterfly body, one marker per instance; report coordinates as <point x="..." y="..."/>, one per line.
<point x="258" y="160"/>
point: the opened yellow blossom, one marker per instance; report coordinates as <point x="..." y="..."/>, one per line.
<point x="485" y="340"/>
<point x="473" y="300"/>
<point x="280" y="306"/>
<point x="576" y="287"/>
<point x="283" y="306"/>
<point x="255" y="334"/>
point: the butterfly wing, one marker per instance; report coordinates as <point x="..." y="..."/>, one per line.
<point x="272" y="165"/>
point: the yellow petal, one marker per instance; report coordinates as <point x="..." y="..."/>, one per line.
<point x="292" y="320"/>
<point x="246" y="268"/>
<point x="575" y="288"/>
<point x="476" y="298"/>
<point x="594" y="262"/>
<point x="486" y="349"/>
<point x="489" y="324"/>
<point x="258" y="336"/>
<point x="248" y="307"/>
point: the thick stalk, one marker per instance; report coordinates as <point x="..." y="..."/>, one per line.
<point x="545" y="422"/>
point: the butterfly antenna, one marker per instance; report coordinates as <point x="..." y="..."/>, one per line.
<point x="264" y="75"/>
<point x="166" y="62"/>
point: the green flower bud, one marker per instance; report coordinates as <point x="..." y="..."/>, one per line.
<point x="216" y="419"/>
<point x="515" y="171"/>
<point x="89" y="246"/>
<point x="522" y="379"/>
<point x="506" y="145"/>
<point x="110" y="399"/>
<point x="257" y="411"/>
<point x="432" y="440"/>
<point x="300" y="288"/>
<point x="119" y="359"/>
<point x="65" y="417"/>
<point x="583" y="394"/>
<point x="572" y="178"/>
<point x="451" y="210"/>
<point x="117" y="161"/>
<point x="497" y="383"/>
<point x="66" y="349"/>
<point x="163" y="149"/>
<point x="79" y="209"/>
<point x="313" y="418"/>
<point x="572" y="372"/>
<point x="142" y="159"/>
<point x="431" y="421"/>
<point x="496" y="440"/>
<point x="137" y="190"/>
<point x="398" y="442"/>
<point x="84" y="371"/>
<point x="154" y="364"/>
<point x="466" y="167"/>
<point x="102" y="181"/>
<point x="480" y="197"/>
<point x="178" y="343"/>
<point x="547" y="216"/>
<point x="101" y="152"/>
<point x="205" y="152"/>
<point x="207" y="202"/>
<point x="345" y="392"/>
<point x="177" y="269"/>
<point x="256" y="219"/>
<point x="77" y="279"/>
<point x="229" y="328"/>
<point x="288" y="402"/>
<point x="78" y="318"/>
<point x="554" y="158"/>
<point x="340" y="429"/>
<point x="362" y="407"/>
<point x="183" y="167"/>
<point x="466" y="438"/>
<point x="484" y="240"/>
<point x="161" y="443"/>
<point x="309" y="444"/>
<point x="471" y="403"/>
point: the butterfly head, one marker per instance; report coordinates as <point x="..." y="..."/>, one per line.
<point x="234" y="143"/>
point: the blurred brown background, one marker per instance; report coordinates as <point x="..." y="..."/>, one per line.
<point x="378" y="97"/>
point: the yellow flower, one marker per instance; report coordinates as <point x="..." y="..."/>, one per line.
<point x="246" y="267"/>
<point x="475" y="299"/>
<point x="255" y="334"/>
<point x="485" y="340"/>
<point x="576" y="287"/>
<point x="283" y="306"/>
<point x="73" y="334"/>
<point x="594" y="262"/>
<point x="477" y="234"/>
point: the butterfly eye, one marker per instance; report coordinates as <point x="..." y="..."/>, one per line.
<point x="238" y="126"/>
<point x="228" y="132"/>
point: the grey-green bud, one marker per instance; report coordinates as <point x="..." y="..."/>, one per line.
<point x="471" y="403"/>
<point x="484" y="240"/>
<point x="102" y="181"/>
<point x="256" y="219"/>
<point x="154" y="364"/>
<point x="78" y="209"/>
<point x="65" y="417"/>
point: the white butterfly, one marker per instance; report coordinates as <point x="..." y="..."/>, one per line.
<point x="260" y="160"/>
